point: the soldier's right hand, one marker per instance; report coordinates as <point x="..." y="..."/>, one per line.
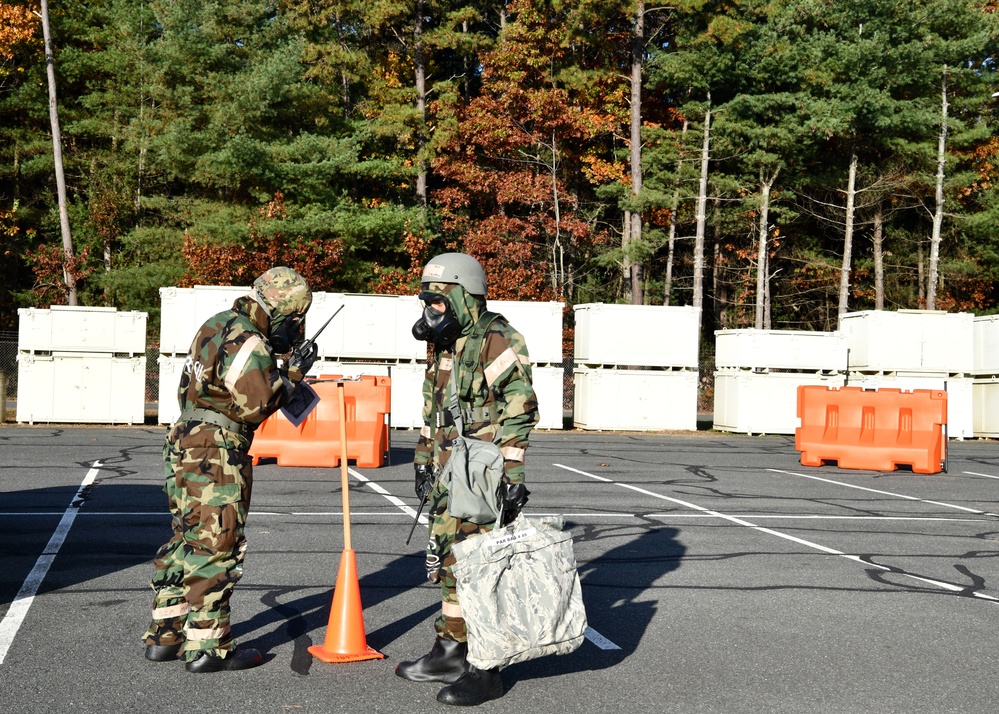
<point x="424" y="479"/>
<point x="302" y="358"/>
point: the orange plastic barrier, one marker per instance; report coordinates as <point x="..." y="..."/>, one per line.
<point x="873" y="430"/>
<point x="316" y="442"/>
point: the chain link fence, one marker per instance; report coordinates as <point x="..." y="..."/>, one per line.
<point x="8" y="375"/>
<point x="152" y="385"/>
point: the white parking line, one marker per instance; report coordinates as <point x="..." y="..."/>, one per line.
<point x="885" y="493"/>
<point x="539" y="514"/>
<point x="590" y="634"/>
<point x="786" y="536"/>
<point x="973" y="473"/>
<point x="599" y="640"/>
<point x="395" y="501"/>
<point x="18" y="609"/>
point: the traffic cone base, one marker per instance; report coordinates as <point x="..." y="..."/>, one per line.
<point x="345" y="639"/>
<point x="320" y="653"/>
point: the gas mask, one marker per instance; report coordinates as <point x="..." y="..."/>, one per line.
<point x="290" y="332"/>
<point x="441" y="328"/>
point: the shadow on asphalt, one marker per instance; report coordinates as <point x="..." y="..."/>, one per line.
<point x="613" y="588"/>
<point x="96" y="548"/>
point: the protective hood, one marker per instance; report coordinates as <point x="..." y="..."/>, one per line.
<point x="466" y="307"/>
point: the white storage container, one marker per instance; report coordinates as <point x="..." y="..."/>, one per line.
<point x="985" y="404"/>
<point x="910" y="340"/>
<point x="184" y="310"/>
<point x="82" y="329"/>
<point x="539" y="322"/>
<point x="959" y="397"/>
<point x="368" y="327"/>
<point x="749" y="403"/>
<point x="638" y="335"/>
<point x="986" y="345"/>
<point x="407" y="395"/>
<point x="635" y="400"/>
<point x="81" y="387"/>
<point x="170" y="367"/>
<point x="176" y="320"/>
<point x="348" y="369"/>
<point x="549" y="387"/>
<point x="780" y="349"/>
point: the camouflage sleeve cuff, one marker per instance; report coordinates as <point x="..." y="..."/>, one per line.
<point x="295" y="374"/>
<point x="424" y="454"/>
<point x="513" y="472"/>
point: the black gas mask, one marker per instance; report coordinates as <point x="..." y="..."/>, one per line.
<point x="441" y="328"/>
<point x="289" y="333"/>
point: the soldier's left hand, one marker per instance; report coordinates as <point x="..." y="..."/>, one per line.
<point x="514" y="497"/>
<point x="301" y="362"/>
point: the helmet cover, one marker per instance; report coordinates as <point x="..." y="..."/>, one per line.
<point x="456" y="268"/>
<point x="284" y="292"/>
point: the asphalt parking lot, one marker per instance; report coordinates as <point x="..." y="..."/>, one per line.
<point x="718" y="574"/>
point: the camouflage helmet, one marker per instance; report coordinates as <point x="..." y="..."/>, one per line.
<point x="456" y="268"/>
<point x="283" y="291"/>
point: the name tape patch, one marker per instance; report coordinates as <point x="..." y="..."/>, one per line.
<point x="513" y="538"/>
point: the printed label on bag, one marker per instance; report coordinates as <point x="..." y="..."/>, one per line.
<point x="512" y="538"/>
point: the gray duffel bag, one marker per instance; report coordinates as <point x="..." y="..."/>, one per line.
<point x="519" y="592"/>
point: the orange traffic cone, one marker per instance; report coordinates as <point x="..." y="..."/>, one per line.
<point x="345" y="640"/>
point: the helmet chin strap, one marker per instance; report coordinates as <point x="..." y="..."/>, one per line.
<point x="260" y="301"/>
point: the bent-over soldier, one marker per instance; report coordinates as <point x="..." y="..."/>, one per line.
<point x="231" y="382"/>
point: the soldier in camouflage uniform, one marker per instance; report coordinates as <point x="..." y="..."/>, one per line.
<point x="231" y="382"/>
<point x="498" y="404"/>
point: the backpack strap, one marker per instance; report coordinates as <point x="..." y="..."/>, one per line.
<point x="465" y="367"/>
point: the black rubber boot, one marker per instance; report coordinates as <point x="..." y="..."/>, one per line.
<point x="444" y="663"/>
<point x="237" y="659"/>
<point x="475" y="687"/>
<point x="162" y="653"/>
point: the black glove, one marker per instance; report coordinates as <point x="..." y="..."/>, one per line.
<point x="302" y="358"/>
<point x="424" y="479"/>
<point x="514" y="496"/>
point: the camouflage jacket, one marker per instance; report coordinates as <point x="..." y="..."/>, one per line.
<point x="231" y="368"/>
<point x="499" y="406"/>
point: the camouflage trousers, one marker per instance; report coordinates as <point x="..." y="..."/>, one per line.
<point x="446" y="530"/>
<point x="208" y="482"/>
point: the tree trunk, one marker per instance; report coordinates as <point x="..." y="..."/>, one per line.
<point x="637" y="53"/>
<point x="879" y="257"/>
<point x="702" y="199"/>
<point x="466" y="69"/>
<point x="718" y="297"/>
<point x="933" y="278"/>
<point x="674" y="209"/>
<point x="719" y="286"/>
<point x="420" y="67"/>
<point x="767" y="324"/>
<point x="558" y="250"/>
<point x="921" y="275"/>
<point x="625" y="290"/>
<point x="67" y="238"/>
<point x="844" y="274"/>
<point x="762" y="269"/>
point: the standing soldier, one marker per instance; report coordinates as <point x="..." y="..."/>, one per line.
<point x="498" y="405"/>
<point x="230" y="384"/>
